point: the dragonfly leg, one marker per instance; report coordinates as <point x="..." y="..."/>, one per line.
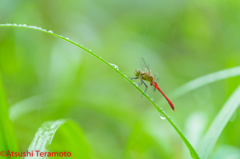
<point x="146" y="87"/>
<point x="133" y="78"/>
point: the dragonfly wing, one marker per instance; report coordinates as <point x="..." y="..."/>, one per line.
<point x="144" y="66"/>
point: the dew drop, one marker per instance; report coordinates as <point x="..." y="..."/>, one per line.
<point x="38" y="28"/>
<point x="136" y="84"/>
<point x="152" y="99"/>
<point x="15" y="24"/>
<point x="24" y="25"/>
<point x="161" y="116"/>
<point x="67" y="38"/>
<point x="115" y="66"/>
<point x="50" y="31"/>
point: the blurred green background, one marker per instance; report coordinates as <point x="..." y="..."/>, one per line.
<point x="181" y="40"/>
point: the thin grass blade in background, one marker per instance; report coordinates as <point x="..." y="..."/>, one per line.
<point x="226" y="152"/>
<point x="204" y="80"/>
<point x="24" y="106"/>
<point x="210" y="138"/>
<point x="7" y="133"/>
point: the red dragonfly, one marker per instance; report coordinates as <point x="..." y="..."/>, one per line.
<point x="147" y="76"/>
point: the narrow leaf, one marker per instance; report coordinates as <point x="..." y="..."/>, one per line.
<point x="204" y="80"/>
<point x="210" y="138"/>
<point x="7" y="133"/>
<point x="68" y="130"/>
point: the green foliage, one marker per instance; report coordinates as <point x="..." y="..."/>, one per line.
<point x="192" y="46"/>
<point x="68" y="133"/>
<point x="191" y="149"/>
<point x="219" y="123"/>
<point x="7" y="134"/>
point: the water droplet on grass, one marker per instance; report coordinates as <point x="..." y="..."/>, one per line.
<point x="162" y="117"/>
<point x="115" y="66"/>
<point x="50" y="31"/>
<point x="136" y="84"/>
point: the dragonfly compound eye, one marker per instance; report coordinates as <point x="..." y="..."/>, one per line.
<point x="137" y="72"/>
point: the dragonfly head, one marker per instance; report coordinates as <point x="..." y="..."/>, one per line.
<point x="137" y="72"/>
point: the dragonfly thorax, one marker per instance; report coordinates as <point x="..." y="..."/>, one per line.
<point x="147" y="76"/>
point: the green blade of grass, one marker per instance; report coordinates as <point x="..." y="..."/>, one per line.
<point x="210" y="138"/>
<point x="204" y="80"/>
<point x="24" y="106"/>
<point x="226" y="151"/>
<point x="7" y="133"/>
<point x="68" y="130"/>
<point x="114" y="67"/>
